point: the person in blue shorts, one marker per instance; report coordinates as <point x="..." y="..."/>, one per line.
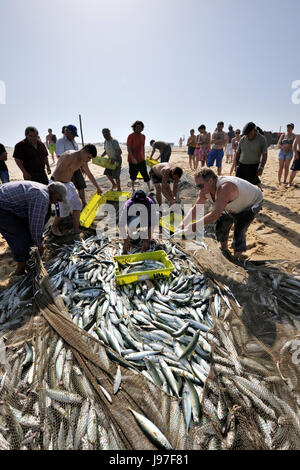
<point x="219" y="141"/>
<point x="285" y="155"/>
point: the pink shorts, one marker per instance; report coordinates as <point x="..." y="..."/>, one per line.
<point x="202" y="153"/>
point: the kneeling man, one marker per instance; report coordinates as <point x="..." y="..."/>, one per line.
<point x="23" y="209"/>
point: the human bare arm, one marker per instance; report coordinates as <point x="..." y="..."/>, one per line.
<point x="91" y="178"/>
<point x="131" y="157"/>
<point x="279" y="141"/>
<point x="175" y="188"/>
<point x="47" y="164"/>
<point x="165" y="186"/>
<point x="209" y="139"/>
<point x="191" y="215"/>
<point x="226" y="193"/>
<point x="26" y="175"/>
<point x="3" y="156"/>
<point x="295" y="146"/>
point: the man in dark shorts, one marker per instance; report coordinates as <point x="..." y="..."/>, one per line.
<point x="113" y="150"/>
<point x="296" y="163"/>
<point x="136" y="154"/>
<point x="31" y="157"/>
<point x="164" y="150"/>
<point x="251" y="154"/>
<point x="67" y="142"/>
<point x="161" y="176"/>
<point x="4" y="175"/>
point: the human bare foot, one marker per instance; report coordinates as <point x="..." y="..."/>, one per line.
<point x="20" y="269"/>
<point x="239" y="256"/>
<point x="55" y="230"/>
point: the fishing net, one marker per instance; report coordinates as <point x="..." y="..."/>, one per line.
<point x="251" y="397"/>
<point x="230" y="381"/>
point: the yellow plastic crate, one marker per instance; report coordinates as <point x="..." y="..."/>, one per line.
<point x="150" y="162"/>
<point x="171" y="221"/>
<point x="105" y="163"/>
<point x="89" y="213"/>
<point x="143" y="275"/>
<point x="117" y="195"/>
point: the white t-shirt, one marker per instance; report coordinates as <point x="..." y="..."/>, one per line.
<point x="64" y="144"/>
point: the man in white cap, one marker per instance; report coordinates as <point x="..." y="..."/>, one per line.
<point x="23" y="209"/>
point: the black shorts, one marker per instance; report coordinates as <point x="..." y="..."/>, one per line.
<point x="40" y="177"/>
<point x="248" y="173"/>
<point x="166" y="154"/>
<point x="139" y="167"/>
<point x="157" y="179"/>
<point x="78" y="180"/>
<point x="154" y="178"/>
<point x="296" y="164"/>
<point x="191" y="150"/>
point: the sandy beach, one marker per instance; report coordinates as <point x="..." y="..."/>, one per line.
<point x="274" y="235"/>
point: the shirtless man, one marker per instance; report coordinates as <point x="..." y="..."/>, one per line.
<point x="219" y="140"/>
<point x="296" y="163"/>
<point x="51" y="143"/>
<point x="69" y="162"/>
<point x="162" y="175"/>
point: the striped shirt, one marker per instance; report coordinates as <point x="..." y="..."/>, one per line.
<point x="30" y="200"/>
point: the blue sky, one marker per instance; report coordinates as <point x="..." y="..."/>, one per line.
<point x="174" y="64"/>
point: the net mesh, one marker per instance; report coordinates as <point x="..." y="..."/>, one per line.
<point x="59" y="386"/>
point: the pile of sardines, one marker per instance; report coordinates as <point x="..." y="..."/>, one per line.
<point x="162" y="329"/>
<point x="158" y="327"/>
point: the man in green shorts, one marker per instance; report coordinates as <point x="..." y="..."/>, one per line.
<point x="51" y="143"/>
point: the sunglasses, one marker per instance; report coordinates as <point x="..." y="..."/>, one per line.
<point x="200" y="186"/>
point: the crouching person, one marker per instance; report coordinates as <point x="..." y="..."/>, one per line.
<point x="235" y="202"/>
<point x="138" y="220"/>
<point x="23" y="209"/>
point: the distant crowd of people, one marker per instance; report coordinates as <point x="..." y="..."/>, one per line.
<point x="246" y="151"/>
